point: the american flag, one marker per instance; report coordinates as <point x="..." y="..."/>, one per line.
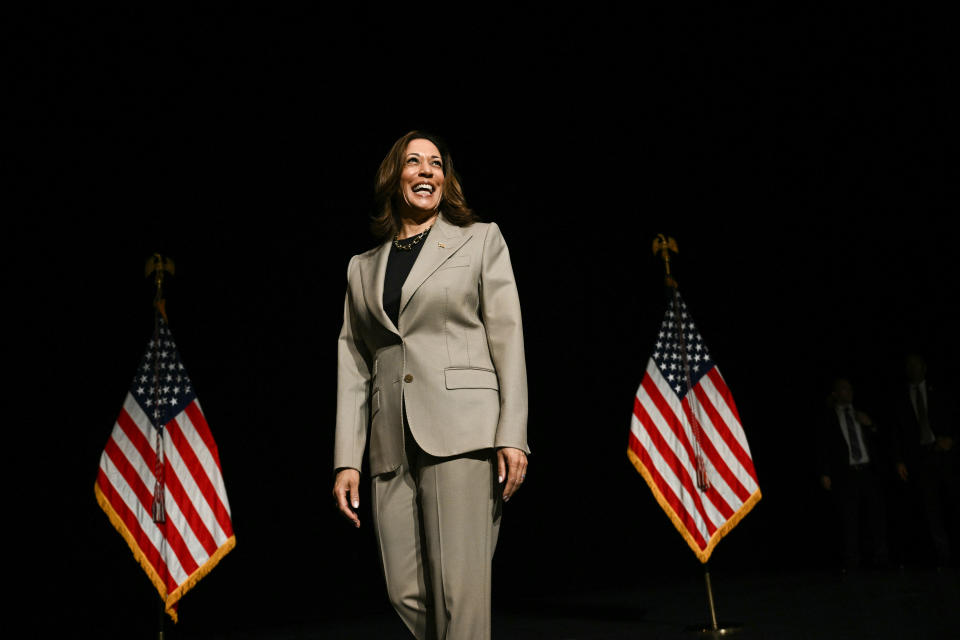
<point x="686" y="439"/>
<point x="171" y="509"/>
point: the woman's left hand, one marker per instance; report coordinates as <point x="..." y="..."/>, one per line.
<point x="512" y="468"/>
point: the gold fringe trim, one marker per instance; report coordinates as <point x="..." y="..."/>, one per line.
<point x="121" y="528"/>
<point x="734" y="520"/>
<point x="169" y="600"/>
<point x="195" y="577"/>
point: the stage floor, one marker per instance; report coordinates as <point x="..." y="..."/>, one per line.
<point x="902" y="604"/>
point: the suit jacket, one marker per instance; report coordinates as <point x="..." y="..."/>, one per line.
<point x="456" y="360"/>
<point x="833" y="457"/>
<point x="940" y="414"/>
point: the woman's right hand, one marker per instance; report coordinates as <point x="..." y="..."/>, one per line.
<point x="346" y="492"/>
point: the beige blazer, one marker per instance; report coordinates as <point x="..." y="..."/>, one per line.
<point x="456" y="359"/>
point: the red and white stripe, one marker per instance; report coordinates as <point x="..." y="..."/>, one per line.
<point x="198" y="531"/>
<point x="662" y="447"/>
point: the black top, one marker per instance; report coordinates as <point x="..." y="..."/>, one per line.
<point x="399" y="264"/>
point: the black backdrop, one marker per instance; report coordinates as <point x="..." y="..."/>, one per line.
<point x="803" y="159"/>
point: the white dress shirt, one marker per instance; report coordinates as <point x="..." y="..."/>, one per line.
<point x="844" y="412"/>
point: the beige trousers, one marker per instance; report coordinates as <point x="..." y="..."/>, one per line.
<point x="437" y="521"/>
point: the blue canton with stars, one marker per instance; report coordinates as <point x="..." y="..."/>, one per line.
<point x="667" y="355"/>
<point x="161" y="386"/>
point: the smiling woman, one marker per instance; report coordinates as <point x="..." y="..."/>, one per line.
<point x="395" y="168"/>
<point x="431" y="366"/>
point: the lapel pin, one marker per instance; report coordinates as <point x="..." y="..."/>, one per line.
<point x="440" y="244"/>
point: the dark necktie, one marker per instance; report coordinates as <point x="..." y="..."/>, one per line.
<point x="855" y="451"/>
<point x="926" y="433"/>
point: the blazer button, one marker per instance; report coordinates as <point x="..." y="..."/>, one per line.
<point x="408" y="378"/>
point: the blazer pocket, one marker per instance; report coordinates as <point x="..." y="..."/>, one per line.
<point x="471" y="378"/>
<point x="455" y="261"/>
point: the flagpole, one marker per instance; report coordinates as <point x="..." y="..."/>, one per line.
<point x="713" y="611"/>
<point x="157" y="266"/>
<point x="160" y="619"/>
<point x="663" y="245"/>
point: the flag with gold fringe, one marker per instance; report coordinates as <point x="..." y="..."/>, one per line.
<point x="686" y="439"/>
<point x="160" y="480"/>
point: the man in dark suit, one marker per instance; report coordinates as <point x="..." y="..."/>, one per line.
<point x="926" y="455"/>
<point x="849" y="457"/>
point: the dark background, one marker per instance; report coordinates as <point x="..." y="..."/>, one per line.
<point x="804" y="159"/>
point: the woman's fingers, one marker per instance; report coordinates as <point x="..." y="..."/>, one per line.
<point x="512" y="466"/>
<point x="346" y="492"/>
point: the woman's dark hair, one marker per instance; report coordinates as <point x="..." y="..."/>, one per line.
<point x="453" y="204"/>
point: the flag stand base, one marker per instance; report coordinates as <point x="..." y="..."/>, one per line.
<point x="714" y="629"/>
<point x="722" y="630"/>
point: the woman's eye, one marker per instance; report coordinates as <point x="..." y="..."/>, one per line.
<point x="411" y="160"/>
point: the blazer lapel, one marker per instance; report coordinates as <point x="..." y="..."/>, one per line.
<point x="444" y="239"/>
<point x="372" y="272"/>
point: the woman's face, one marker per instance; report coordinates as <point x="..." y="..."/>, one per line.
<point x="421" y="181"/>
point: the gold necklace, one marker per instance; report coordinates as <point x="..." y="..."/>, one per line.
<point x="416" y="240"/>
